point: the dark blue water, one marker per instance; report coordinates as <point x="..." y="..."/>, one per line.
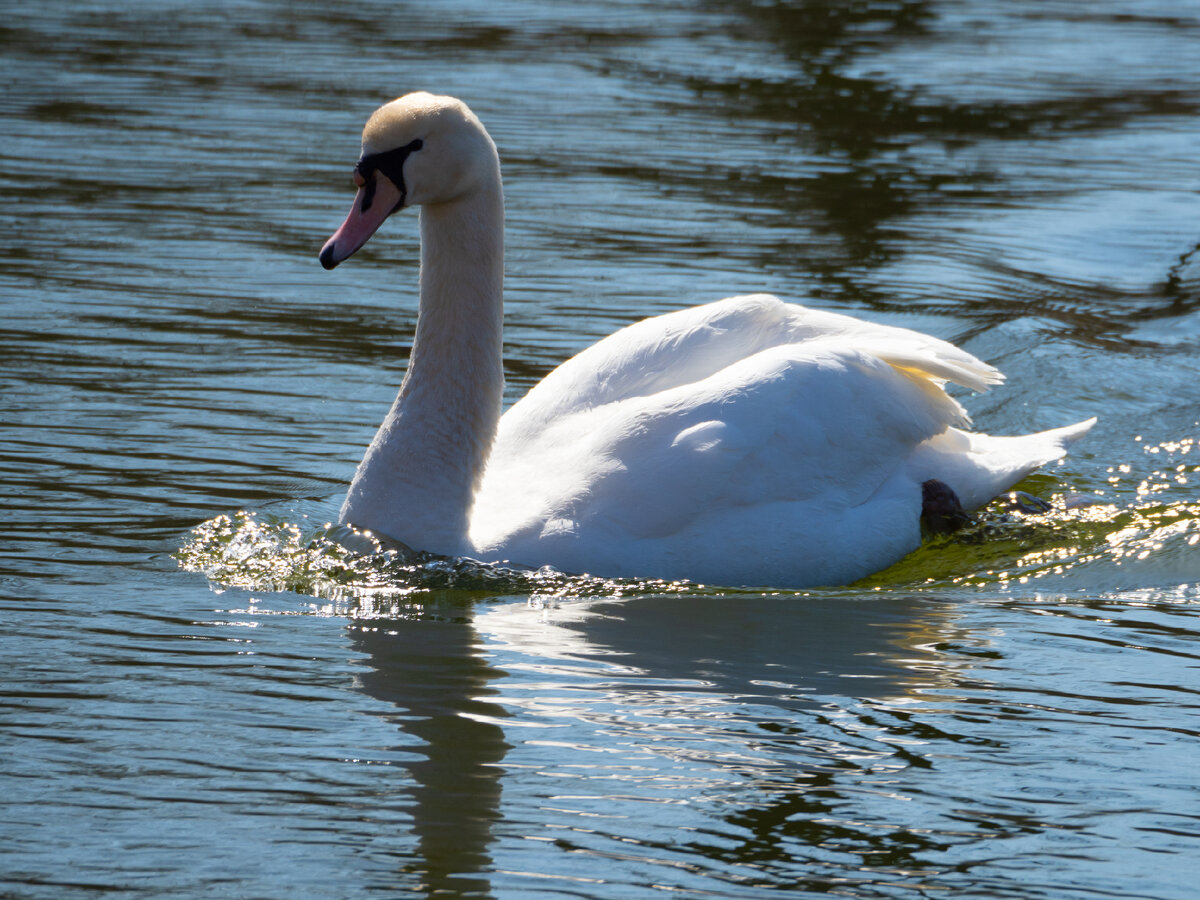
<point x="1010" y="714"/>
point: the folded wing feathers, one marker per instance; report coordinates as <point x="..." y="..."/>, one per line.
<point x="911" y="351"/>
<point x="934" y="363"/>
<point x="690" y="345"/>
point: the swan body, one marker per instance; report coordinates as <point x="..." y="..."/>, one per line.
<point x="747" y="441"/>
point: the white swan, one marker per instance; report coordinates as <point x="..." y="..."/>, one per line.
<point x="744" y="442"/>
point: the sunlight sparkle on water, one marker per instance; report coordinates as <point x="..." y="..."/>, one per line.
<point x="362" y="575"/>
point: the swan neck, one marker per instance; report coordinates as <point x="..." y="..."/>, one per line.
<point x="418" y="480"/>
<point x="462" y="279"/>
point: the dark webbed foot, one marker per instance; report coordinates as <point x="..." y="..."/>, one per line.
<point x="1019" y="501"/>
<point x="941" y="511"/>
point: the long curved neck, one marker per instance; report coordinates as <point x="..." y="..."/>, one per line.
<point x="417" y="481"/>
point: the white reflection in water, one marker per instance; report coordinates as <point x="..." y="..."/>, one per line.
<point x="686" y="715"/>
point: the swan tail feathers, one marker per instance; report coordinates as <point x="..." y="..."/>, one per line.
<point x="980" y="467"/>
<point x="1063" y="438"/>
<point x="1034" y="450"/>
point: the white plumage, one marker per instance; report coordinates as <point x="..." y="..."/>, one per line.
<point x="747" y="441"/>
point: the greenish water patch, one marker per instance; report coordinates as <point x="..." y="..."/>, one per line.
<point x="1067" y="547"/>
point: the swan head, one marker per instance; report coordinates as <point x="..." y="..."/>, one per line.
<point x="419" y="149"/>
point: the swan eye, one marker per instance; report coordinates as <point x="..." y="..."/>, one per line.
<point x="391" y="164"/>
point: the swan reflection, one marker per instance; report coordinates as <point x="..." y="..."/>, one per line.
<point x="751" y="724"/>
<point x="431" y="669"/>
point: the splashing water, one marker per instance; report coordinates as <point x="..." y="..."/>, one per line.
<point x="1067" y="544"/>
<point x="260" y="551"/>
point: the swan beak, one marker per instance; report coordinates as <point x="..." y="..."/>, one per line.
<point x="375" y="201"/>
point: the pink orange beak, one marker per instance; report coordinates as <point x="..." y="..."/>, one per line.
<point x="380" y="198"/>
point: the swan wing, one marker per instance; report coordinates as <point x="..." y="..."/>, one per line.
<point x="741" y="421"/>
<point x="692" y="344"/>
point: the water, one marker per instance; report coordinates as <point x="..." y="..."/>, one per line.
<point x="1012" y="713"/>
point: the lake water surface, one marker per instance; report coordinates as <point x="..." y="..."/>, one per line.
<point x="1013" y="713"/>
